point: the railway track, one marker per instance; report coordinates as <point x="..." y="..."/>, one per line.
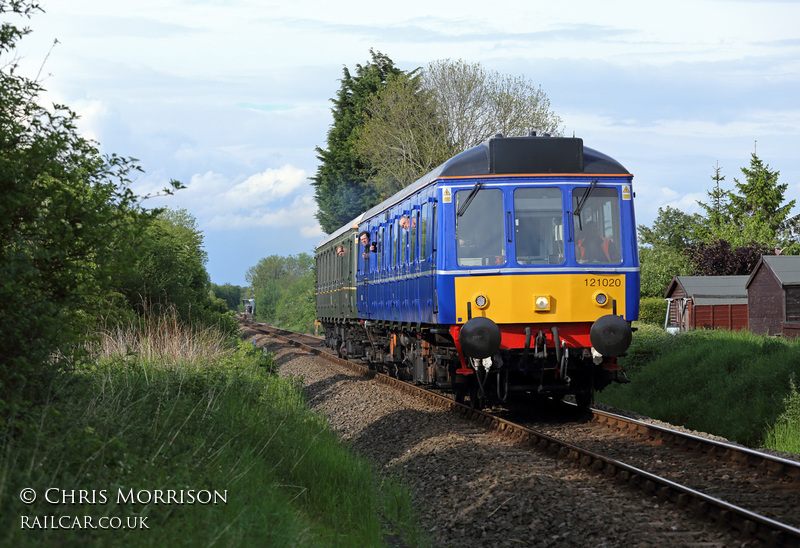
<point x="755" y="494"/>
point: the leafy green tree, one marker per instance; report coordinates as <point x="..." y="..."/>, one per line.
<point x="662" y="248"/>
<point x="67" y="216"/>
<point x="340" y="184"/>
<point x="403" y="138"/>
<point x="421" y="119"/>
<point x="231" y="294"/>
<point x="658" y="265"/>
<point x="284" y="290"/>
<point x="297" y="307"/>
<point x="672" y="229"/>
<point x="170" y="271"/>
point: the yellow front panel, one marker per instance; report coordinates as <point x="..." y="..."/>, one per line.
<point x="512" y="298"/>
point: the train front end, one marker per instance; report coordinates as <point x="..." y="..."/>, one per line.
<point x="539" y="278"/>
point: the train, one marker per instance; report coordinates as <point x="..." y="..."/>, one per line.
<point x="511" y="269"/>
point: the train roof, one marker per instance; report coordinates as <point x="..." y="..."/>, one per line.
<point x="506" y="156"/>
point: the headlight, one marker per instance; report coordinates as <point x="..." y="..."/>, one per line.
<point x="600" y="298"/>
<point x="542" y="303"/>
<point x="480" y="300"/>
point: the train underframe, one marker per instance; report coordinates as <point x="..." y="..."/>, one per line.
<point x="543" y="366"/>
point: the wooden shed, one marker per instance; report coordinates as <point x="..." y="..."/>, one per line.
<point x="774" y="296"/>
<point x="707" y="302"/>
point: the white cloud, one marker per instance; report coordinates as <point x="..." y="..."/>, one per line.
<point x="265" y="187"/>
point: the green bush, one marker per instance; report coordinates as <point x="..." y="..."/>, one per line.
<point x="652" y="310"/>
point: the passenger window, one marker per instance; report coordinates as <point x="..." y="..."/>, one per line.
<point x="597" y="228"/>
<point x="391" y="259"/>
<point x="412" y="236"/>
<point x="480" y="230"/>
<point x="403" y="237"/>
<point x="380" y="248"/>
<point x="423" y="232"/>
<point x="538" y="226"/>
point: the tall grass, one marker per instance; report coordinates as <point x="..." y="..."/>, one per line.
<point x="163" y="407"/>
<point x="730" y="384"/>
<point x="785" y="433"/>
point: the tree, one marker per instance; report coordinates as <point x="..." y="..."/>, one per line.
<point x="719" y="258"/>
<point x="171" y="268"/>
<point x="340" y="184"/>
<point x="662" y="247"/>
<point x="420" y="120"/>
<point x="658" y="266"/>
<point x="404" y="137"/>
<point x="231" y="294"/>
<point x="475" y="104"/>
<point x="760" y="196"/>
<point x="67" y="216"/>
<point x="672" y="229"/>
<point x="284" y="290"/>
<point x="718" y="211"/>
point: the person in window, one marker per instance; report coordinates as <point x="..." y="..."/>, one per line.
<point x="594" y="248"/>
<point x="363" y="237"/>
<point x="340" y="250"/>
<point x="406" y="223"/>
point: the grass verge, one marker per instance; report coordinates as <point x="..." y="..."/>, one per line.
<point x="735" y="385"/>
<point x="171" y="438"/>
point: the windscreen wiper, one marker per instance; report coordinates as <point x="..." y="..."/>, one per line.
<point x="472" y="194"/>
<point x="582" y="202"/>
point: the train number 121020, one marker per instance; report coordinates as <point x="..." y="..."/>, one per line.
<point x="602" y="282"/>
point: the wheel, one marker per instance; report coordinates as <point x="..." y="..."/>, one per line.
<point x="584" y="399"/>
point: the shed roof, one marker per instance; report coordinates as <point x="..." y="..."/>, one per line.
<point x="785" y="267"/>
<point x="730" y="288"/>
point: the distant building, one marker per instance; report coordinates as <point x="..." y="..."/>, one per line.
<point x="774" y="296"/>
<point x="707" y="302"/>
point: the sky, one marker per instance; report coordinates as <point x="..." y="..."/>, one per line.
<point x="231" y="97"/>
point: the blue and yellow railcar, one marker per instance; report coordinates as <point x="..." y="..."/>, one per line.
<point x="512" y="267"/>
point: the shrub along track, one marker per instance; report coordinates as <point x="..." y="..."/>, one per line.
<point x="478" y="483"/>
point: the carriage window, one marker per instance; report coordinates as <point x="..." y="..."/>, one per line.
<point x="597" y="228"/>
<point x="538" y="226"/>
<point x="380" y="248"/>
<point x="403" y="244"/>
<point x="412" y="236"/>
<point x="480" y="231"/>
<point x="392" y="254"/>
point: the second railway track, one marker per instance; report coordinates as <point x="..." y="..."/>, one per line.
<point x="753" y="495"/>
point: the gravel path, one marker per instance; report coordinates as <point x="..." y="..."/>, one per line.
<point x="475" y="488"/>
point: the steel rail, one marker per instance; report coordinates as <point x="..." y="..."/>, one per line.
<point x="737" y="454"/>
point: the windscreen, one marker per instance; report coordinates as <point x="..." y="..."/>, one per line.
<point x="538" y="226"/>
<point x="480" y="231"/>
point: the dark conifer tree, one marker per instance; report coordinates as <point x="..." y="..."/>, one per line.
<point x="341" y="189"/>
